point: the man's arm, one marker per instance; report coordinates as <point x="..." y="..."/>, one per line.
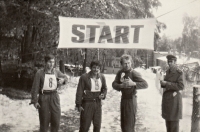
<point x="79" y="92"/>
<point x="140" y="82"/>
<point x="116" y="83"/>
<point x="175" y="85"/>
<point x="61" y="75"/>
<point x="35" y="88"/>
<point x="104" y="87"/>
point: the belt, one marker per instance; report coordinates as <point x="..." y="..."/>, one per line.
<point x="172" y="91"/>
<point x="128" y="96"/>
<point x="48" y="91"/>
<point x="91" y="100"/>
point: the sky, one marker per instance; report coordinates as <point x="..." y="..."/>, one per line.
<point x="174" y="20"/>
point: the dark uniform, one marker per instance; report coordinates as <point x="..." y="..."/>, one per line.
<point x="129" y="98"/>
<point x="90" y="102"/>
<point x="172" y="98"/>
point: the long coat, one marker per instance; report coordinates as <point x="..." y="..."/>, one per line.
<point x="172" y="98"/>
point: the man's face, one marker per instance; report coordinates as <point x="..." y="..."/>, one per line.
<point x="50" y="64"/>
<point x="126" y="64"/>
<point x="95" y="69"/>
<point x="171" y="63"/>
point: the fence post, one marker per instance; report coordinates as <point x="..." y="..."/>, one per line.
<point x="195" y="127"/>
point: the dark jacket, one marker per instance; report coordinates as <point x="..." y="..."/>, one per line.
<point x="172" y="104"/>
<point x="84" y="88"/>
<point x="135" y="77"/>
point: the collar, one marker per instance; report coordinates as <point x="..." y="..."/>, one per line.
<point x="90" y="75"/>
<point x="173" y="69"/>
<point x="52" y="71"/>
<point x="127" y="70"/>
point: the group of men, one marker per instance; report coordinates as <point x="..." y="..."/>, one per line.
<point x="92" y="89"/>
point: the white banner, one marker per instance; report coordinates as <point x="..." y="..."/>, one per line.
<point x="106" y="33"/>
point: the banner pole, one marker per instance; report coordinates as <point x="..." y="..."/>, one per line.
<point x="98" y="53"/>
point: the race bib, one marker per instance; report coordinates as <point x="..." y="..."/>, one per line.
<point x="96" y="85"/>
<point x="50" y="82"/>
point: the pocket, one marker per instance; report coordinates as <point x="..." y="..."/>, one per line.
<point x="83" y="105"/>
<point x="57" y="99"/>
<point x="168" y="100"/>
<point x="168" y="96"/>
<point x="56" y="104"/>
<point x="100" y="104"/>
<point x="40" y="99"/>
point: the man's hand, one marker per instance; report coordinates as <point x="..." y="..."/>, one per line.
<point x="80" y="109"/>
<point x="163" y="83"/>
<point x="101" y="96"/>
<point x="131" y="83"/>
<point x="37" y="105"/>
<point x="61" y="81"/>
<point x="123" y="85"/>
<point x="128" y="83"/>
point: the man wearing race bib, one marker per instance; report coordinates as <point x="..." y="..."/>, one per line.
<point x="45" y="84"/>
<point x="90" y="91"/>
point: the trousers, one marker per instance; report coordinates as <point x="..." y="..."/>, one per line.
<point x="92" y="113"/>
<point x="128" y="114"/>
<point x="49" y="112"/>
<point x="172" y="126"/>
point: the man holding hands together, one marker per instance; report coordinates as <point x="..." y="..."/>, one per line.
<point x="172" y="98"/>
<point x="127" y="81"/>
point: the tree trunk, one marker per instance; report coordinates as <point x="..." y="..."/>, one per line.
<point x="196" y="109"/>
<point x="0" y="73"/>
<point x="62" y="67"/>
<point x="0" y="67"/>
<point x="26" y="50"/>
<point x="26" y="47"/>
<point x="84" y="62"/>
<point x="104" y="61"/>
<point x="147" y="60"/>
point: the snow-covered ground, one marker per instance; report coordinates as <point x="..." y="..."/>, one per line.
<point x="19" y="116"/>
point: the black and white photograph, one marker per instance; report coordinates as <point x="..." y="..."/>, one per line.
<point x="99" y="65"/>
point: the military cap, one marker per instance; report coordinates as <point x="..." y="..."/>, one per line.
<point x="171" y="57"/>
